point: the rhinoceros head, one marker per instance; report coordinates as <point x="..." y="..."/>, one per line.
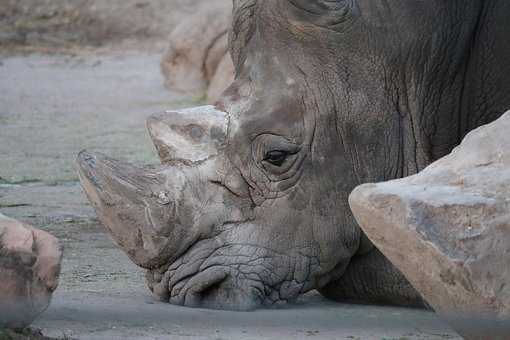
<point x="242" y="212"/>
<point x="249" y="206"/>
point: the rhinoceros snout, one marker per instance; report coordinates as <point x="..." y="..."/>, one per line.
<point x="157" y="214"/>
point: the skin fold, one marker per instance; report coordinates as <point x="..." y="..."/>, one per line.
<point x="249" y="206"/>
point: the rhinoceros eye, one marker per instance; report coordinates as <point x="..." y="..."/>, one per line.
<point x="274" y="153"/>
<point x="276" y="157"/>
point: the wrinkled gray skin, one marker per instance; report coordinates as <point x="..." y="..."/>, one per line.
<point x="249" y="206"/>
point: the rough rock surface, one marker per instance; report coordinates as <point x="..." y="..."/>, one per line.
<point x="448" y="230"/>
<point x="55" y="23"/>
<point x="29" y="270"/>
<point x="222" y="78"/>
<point x="198" y="50"/>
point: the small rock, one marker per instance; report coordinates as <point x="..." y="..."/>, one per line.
<point x="448" y="230"/>
<point x="29" y="270"/>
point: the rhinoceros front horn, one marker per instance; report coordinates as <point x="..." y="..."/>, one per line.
<point x="147" y="210"/>
<point x="188" y="136"/>
<point x="138" y="206"/>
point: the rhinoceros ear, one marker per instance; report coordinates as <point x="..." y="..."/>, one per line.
<point x="188" y="136"/>
<point x="332" y="14"/>
<point x="243" y="26"/>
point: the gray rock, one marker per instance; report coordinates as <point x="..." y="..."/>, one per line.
<point x="198" y="50"/>
<point x="222" y="78"/>
<point x="29" y="270"/>
<point x="448" y="230"/>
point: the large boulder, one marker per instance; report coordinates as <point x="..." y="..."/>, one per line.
<point x="197" y="57"/>
<point x="448" y="230"/>
<point x="29" y="270"/>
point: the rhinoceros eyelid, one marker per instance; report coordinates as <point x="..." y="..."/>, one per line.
<point x="331" y="14"/>
<point x="276" y="157"/>
<point x="318" y="7"/>
<point x="279" y="162"/>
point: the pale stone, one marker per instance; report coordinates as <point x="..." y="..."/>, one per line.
<point x="197" y="46"/>
<point x="448" y="230"/>
<point x="222" y="79"/>
<point x="29" y="270"/>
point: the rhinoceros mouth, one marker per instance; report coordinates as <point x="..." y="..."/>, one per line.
<point x="239" y="277"/>
<point x="216" y="287"/>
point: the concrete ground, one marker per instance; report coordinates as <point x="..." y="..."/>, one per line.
<point x="51" y="107"/>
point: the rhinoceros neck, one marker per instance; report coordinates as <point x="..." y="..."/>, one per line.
<point x="459" y="86"/>
<point x="485" y="94"/>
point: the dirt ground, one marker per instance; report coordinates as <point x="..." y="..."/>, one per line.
<point x="52" y="105"/>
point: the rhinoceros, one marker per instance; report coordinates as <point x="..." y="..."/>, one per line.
<point x="249" y="206"/>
